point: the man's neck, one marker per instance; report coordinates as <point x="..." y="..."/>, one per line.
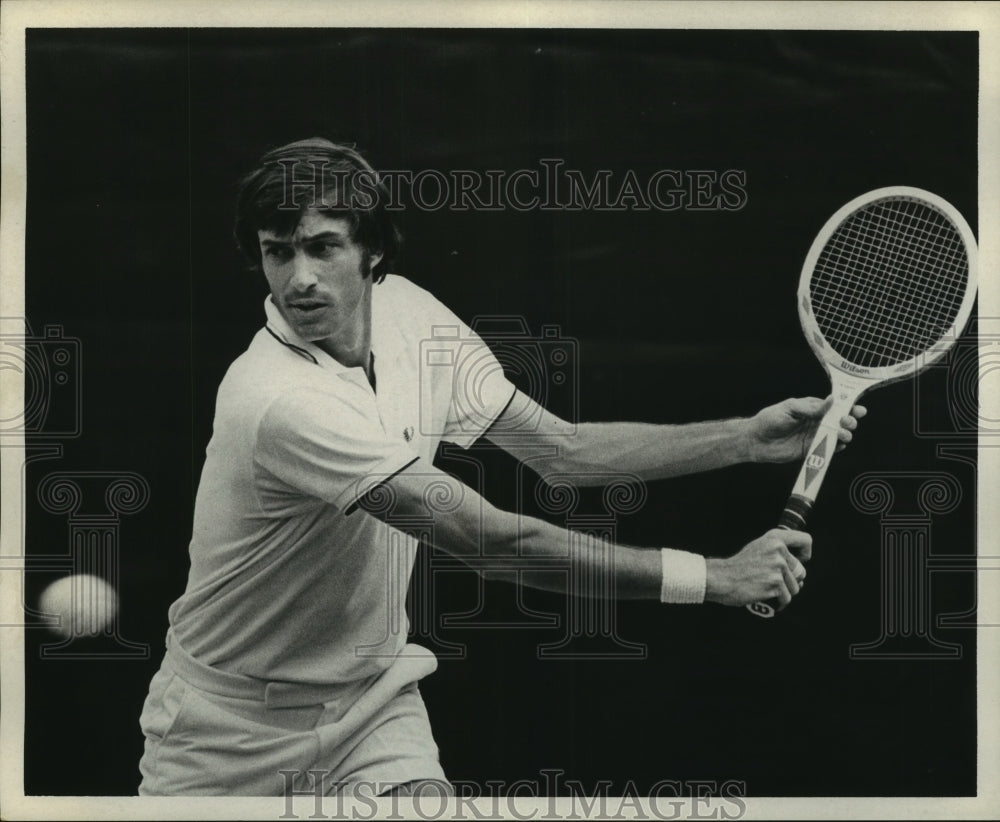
<point x="352" y="346"/>
<point x="353" y="356"/>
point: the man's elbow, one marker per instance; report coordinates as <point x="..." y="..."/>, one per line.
<point x="571" y="465"/>
<point x="491" y="535"/>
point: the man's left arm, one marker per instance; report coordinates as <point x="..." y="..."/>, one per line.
<point x="778" y="433"/>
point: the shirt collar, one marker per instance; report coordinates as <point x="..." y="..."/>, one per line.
<point x="279" y="327"/>
<point x="386" y="349"/>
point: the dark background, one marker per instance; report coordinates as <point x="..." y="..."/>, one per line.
<point x="135" y="141"/>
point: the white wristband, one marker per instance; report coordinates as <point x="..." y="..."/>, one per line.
<point x="684" y="577"/>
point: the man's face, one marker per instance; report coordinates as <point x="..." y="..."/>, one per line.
<point x="317" y="276"/>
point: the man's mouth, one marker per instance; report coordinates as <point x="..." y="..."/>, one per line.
<point x="306" y="306"/>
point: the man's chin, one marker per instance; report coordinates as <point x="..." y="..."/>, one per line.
<point x="311" y="332"/>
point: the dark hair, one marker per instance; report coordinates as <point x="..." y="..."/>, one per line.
<point x="342" y="183"/>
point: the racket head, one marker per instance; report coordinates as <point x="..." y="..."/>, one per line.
<point x="919" y="261"/>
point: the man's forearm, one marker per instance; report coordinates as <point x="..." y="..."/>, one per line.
<point x="651" y="452"/>
<point x="555" y="559"/>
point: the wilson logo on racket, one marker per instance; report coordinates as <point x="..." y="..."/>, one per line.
<point x="761" y="609"/>
<point x="815" y="462"/>
<point x="854" y="369"/>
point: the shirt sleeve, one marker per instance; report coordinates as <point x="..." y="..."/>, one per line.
<point x="480" y="391"/>
<point x="328" y="447"/>
<point x="464" y="367"/>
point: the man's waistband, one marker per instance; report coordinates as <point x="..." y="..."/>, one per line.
<point x="274" y="694"/>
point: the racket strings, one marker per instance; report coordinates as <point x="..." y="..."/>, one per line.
<point x="893" y="304"/>
<point x="892" y="248"/>
<point x="882" y="296"/>
<point x="889" y="282"/>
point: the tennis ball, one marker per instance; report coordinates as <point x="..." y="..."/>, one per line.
<point x="85" y="604"/>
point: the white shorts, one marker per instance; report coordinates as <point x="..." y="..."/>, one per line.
<point x="210" y="733"/>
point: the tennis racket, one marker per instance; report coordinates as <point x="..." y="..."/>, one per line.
<point x="886" y="288"/>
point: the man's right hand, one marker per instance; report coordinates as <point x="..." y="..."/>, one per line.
<point x="769" y="568"/>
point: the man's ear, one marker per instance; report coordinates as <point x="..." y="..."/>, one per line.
<point x="374" y="258"/>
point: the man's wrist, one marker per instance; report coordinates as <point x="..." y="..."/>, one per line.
<point x="715" y="587"/>
<point x="684" y="577"/>
<point x="744" y="440"/>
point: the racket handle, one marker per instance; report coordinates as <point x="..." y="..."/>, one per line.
<point x="793" y="518"/>
<point x="796" y="513"/>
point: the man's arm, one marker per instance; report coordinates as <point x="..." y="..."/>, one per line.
<point x="478" y="533"/>
<point x="778" y="433"/>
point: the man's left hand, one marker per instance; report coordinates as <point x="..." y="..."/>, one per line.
<point x="782" y="432"/>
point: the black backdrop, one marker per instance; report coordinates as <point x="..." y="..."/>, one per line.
<point x="135" y="140"/>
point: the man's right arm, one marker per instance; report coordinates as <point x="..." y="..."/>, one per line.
<point x="479" y="533"/>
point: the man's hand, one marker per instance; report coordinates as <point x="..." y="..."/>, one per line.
<point x="782" y="432"/>
<point x="767" y="568"/>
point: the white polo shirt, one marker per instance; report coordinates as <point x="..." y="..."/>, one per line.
<point x="289" y="581"/>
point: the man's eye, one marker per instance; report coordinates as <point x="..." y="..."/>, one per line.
<point x="277" y="252"/>
<point x="322" y="249"/>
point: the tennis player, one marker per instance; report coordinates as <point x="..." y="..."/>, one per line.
<point x="286" y="652"/>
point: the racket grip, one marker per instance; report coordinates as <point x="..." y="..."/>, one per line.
<point x="796" y="513"/>
<point x="793" y="518"/>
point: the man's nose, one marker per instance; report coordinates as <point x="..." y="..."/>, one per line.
<point x="303" y="275"/>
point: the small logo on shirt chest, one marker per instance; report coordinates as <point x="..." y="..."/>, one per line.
<point x="408" y="433"/>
